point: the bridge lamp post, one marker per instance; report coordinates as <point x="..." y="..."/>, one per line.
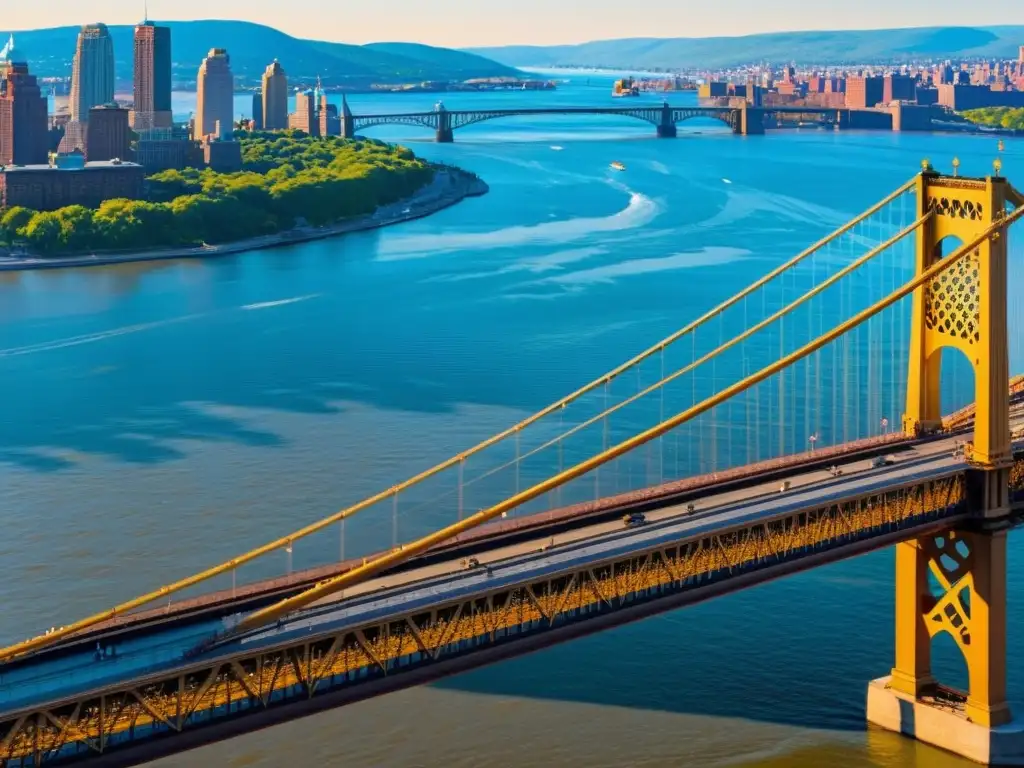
<point x="956" y="166"/>
<point x="812" y="440"/>
<point x="885" y="426"/>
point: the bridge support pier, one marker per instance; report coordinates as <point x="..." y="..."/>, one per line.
<point x="749" y="121"/>
<point x="964" y="309"/>
<point x="444" y="136"/>
<point x="667" y="131"/>
<point x="970" y="569"/>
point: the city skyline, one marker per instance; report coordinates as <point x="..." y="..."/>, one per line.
<point x="470" y="23"/>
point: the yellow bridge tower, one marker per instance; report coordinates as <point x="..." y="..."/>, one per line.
<point x="963" y="309"/>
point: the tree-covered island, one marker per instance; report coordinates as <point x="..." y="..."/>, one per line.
<point x="287" y="180"/>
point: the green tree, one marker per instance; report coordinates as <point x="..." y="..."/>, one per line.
<point x="13" y="221"/>
<point x="285" y="177"/>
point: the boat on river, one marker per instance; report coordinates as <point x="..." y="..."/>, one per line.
<point x="618" y="166"/>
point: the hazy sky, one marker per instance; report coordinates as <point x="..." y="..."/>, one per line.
<point x="462" y="23"/>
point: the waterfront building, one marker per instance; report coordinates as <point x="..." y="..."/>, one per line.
<point x="92" y="72"/>
<point x="963" y="97"/>
<point x="68" y="180"/>
<point x="108" y="134"/>
<point x="215" y="97"/>
<point x="275" y="97"/>
<point x="24" y="122"/>
<point x="152" y="107"/>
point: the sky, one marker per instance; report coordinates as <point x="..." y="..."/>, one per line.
<point x="472" y="23"/>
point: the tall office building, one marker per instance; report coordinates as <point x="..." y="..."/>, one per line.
<point x="257" y="111"/>
<point x="215" y="97"/>
<point x="275" y="98"/>
<point x="24" y="133"/>
<point x="152" y="77"/>
<point x="92" y="74"/>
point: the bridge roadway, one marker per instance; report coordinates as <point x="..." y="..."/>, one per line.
<point x="53" y="678"/>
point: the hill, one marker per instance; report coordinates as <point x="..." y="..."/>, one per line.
<point x="838" y="47"/>
<point x="253" y="46"/>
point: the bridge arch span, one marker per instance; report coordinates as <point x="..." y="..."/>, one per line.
<point x="426" y="120"/>
<point x="728" y="118"/>
<point x="652" y="116"/>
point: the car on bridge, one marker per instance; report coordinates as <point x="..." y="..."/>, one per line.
<point x="634" y="519"/>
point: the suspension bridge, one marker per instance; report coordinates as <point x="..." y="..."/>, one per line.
<point x="797" y="423"/>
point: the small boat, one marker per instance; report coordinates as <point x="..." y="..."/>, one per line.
<point x="618" y="166"/>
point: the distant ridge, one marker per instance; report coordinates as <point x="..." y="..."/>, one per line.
<point x="253" y="46"/>
<point x="838" y="47"/>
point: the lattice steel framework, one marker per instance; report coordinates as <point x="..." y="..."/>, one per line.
<point x="226" y="688"/>
<point x="963" y="307"/>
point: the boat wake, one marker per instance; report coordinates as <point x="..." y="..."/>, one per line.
<point x="640" y="211"/>
<point x="91" y="338"/>
<point x="279" y="303"/>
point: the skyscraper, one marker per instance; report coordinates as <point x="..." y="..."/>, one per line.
<point x="92" y="76"/>
<point x="215" y="97"/>
<point x="24" y="135"/>
<point x="152" y="77"/>
<point x="275" y="98"/>
<point x="257" y="111"/>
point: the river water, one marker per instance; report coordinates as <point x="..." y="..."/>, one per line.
<point x="159" y="418"/>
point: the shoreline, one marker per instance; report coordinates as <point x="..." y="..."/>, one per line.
<point x="449" y="187"/>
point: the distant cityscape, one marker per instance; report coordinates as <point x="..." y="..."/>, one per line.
<point x="99" y="149"/>
<point x="957" y="86"/>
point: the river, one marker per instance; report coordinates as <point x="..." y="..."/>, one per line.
<point x="158" y="418"/>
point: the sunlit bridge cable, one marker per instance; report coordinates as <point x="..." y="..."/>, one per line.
<point x="165" y="592"/>
<point x="692" y="366"/>
<point x="362" y="573"/>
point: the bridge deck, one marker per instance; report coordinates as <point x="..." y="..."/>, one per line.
<point x="52" y="677"/>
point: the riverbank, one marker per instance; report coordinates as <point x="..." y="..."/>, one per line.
<point x="449" y="187"/>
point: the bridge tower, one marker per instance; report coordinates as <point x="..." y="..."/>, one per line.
<point x="444" y="124"/>
<point x="348" y="120"/>
<point x="964" y="309"/>
<point x="667" y="127"/>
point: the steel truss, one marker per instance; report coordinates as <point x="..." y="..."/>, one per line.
<point x="212" y="692"/>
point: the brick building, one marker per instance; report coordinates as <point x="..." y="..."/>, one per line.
<point x="49" y="187"/>
<point x="108" y="135"/>
<point x="863" y="92"/>
<point x="24" y="123"/>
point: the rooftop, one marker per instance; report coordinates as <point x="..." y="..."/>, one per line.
<point x="97" y="165"/>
